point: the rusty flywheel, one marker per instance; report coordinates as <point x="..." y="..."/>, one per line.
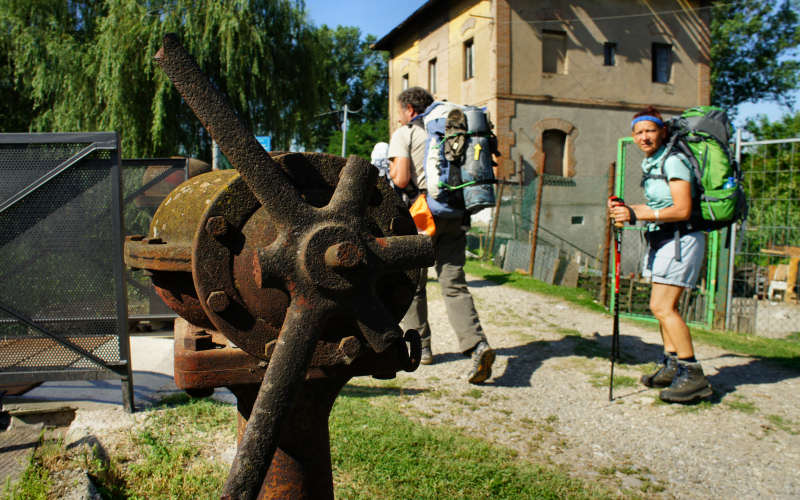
<point x="286" y="256"/>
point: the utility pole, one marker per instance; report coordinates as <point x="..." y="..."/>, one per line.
<point x="344" y="133"/>
<point x="347" y="111"/>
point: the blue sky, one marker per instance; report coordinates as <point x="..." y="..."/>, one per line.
<point x="378" y="17"/>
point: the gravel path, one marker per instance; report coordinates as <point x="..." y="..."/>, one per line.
<point x="548" y="399"/>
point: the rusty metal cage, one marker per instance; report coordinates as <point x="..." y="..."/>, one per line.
<point x="63" y="308"/>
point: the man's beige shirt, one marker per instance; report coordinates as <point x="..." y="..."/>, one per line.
<point x="408" y="141"/>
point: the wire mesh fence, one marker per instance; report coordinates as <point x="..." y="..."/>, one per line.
<point x="763" y="294"/>
<point x="565" y="244"/>
<point x="62" y="303"/>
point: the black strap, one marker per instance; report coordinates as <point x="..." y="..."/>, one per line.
<point x="674" y="231"/>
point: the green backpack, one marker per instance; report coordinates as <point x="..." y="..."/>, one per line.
<point x="702" y="134"/>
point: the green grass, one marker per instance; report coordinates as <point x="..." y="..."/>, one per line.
<point x="785" y="352"/>
<point x="163" y="459"/>
<point x="601" y="380"/>
<point x="33" y="485"/>
<point x="784" y="424"/>
<point x="740" y="404"/>
<point x="377" y="453"/>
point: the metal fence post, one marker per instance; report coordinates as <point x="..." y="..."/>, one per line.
<point x="732" y="254"/>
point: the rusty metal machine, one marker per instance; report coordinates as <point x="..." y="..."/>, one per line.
<point x="290" y="275"/>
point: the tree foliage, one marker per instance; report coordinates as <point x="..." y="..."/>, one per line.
<point x="88" y="65"/>
<point x="354" y="75"/>
<point x="361" y="138"/>
<point x="772" y="183"/>
<point x="752" y="51"/>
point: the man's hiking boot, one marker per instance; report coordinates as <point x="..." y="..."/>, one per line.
<point x="426" y="357"/>
<point x="665" y="374"/>
<point x="690" y="385"/>
<point x="482" y="359"/>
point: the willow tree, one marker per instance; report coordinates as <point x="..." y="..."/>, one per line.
<point x="88" y="65"/>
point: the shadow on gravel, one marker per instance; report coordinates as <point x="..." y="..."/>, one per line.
<point x="490" y="280"/>
<point x="524" y="360"/>
<point x="756" y="371"/>
<point x="361" y="391"/>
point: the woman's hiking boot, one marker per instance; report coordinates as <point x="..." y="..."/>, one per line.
<point x="690" y="385"/>
<point x="665" y="374"/>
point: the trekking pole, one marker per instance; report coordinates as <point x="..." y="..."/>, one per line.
<point x="617" y="228"/>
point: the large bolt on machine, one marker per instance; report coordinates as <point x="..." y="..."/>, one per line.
<point x="290" y="275"/>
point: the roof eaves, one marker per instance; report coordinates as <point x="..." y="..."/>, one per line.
<point x="387" y="41"/>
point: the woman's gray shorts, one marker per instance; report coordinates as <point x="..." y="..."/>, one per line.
<point x="662" y="267"/>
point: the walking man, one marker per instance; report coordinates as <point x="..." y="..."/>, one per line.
<point x="407" y="170"/>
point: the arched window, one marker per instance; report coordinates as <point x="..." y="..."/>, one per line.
<point x="554" y="139"/>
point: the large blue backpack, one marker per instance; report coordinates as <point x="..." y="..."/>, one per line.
<point x="458" y="159"/>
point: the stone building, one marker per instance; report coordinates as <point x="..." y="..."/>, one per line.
<point x="560" y="77"/>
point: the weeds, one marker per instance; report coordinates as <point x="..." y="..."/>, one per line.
<point x="739" y="403"/>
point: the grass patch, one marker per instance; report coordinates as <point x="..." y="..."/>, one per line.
<point x="740" y="404"/>
<point x="494" y="274"/>
<point x="377" y="453"/>
<point x="163" y="458"/>
<point x="474" y="393"/>
<point x="601" y="380"/>
<point x="34" y="483"/>
<point x="783" y="424"/>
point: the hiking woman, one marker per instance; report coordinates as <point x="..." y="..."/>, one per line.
<point x="674" y="257"/>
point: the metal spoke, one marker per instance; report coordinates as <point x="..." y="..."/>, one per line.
<point x="352" y="191"/>
<point x="268" y="182"/>
<point x="281" y="385"/>
<point x="403" y="253"/>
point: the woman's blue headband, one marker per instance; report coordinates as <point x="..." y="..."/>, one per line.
<point x="647" y="118"/>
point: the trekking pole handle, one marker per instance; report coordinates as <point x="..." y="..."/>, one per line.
<point x="615" y="202"/>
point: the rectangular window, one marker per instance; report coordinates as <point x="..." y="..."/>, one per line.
<point x="404" y="83"/>
<point x="554" y="52"/>
<point x="662" y="62"/>
<point x="468" y="60"/>
<point x="609" y="54"/>
<point x="432" y="76"/>
<point x="553" y="144"/>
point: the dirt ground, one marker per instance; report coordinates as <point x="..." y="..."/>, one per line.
<point x="548" y="399"/>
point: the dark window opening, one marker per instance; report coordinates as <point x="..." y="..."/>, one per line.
<point x="432" y="76"/>
<point x="553" y="142"/>
<point x="554" y="52"/>
<point x="469" y="70"/>
<point x="609" y="54"/>
<point x="577" y="219"/>
<point x="662" y="62"/>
